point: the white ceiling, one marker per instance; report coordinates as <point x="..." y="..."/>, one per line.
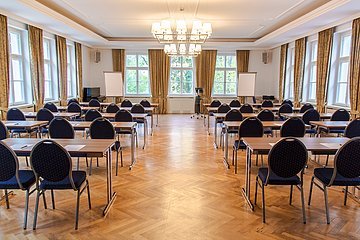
<point x="269" y="22"/>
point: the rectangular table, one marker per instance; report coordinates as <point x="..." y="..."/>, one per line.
<point x="82" y="125"/>
<point x="83" y="108"/>
<point x="276" y="109"/>
<point x="213" y="110"/>
<point x="27" y="125"/>
<point x="91" y="148"/>
<point x="56" y="114"/>
<point x="328" y="145"/>
<point x="149" y="110"/>
<point x="299" y="115"/>
<point x="329" y="124"/>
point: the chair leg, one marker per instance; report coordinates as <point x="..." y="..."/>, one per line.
<point x="27" y="161"/>
<point x="262" y="160"/>
<point x="53" y="198"/>
<point x="311" y="188"/>
<point x="303" y="204"/>
<point x="233" y="155"/>
<point x="87" y="162"/>
<point x="78" y="164"/>
<point x="90" y="170"/>
<point x="326" y="205"/>
<point x="97" y="162"/>
<point x="291" y="193"/>
<point x="345" y="195"/>
<point x="117" y="162"/>
<point x="236" y="161"/>
<point x="44" y="199"/>
<point x="121" y="158"/>
<point x="257" y="159"/>
<point x="327" y="160"/>
<point x="26" y="208"/>
<point x="88" y="192"/>
<point x="263" y="202"/>
<point x="77" y="210"/>
<point x="7" y="199"/>
<point x="256" y="189"/>
<point x="36" y="208"/>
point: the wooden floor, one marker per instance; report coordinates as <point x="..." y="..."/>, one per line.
<point x="180" y="189"/>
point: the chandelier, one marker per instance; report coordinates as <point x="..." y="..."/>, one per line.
<point x="178" y="39"/>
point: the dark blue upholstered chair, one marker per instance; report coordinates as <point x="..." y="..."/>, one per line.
<point x="94" y="103"/>
<point x="72" y="100"/>
<point x="112" y="108"/>
<point x="306" y="107"/>
<point x="286" y="162"/>
<point x="15" y="114"/>
<point x="266" y="115"/>
<point x="287" y="101"/>
<point x="92" y="114"/>
<point x="51" y="106"/>
<point x="353" y="129"/>
<point x="284" y="108"/>
<point x="235" y="103"/>
<point x="246" y="108"/>
<point x="61" y="128"/>
<point x="126" y="103"/>
<point x="75" y="108"/>
<point x="267" y="103"/>
<point x="44" y="114"/>
<point x="293" y="127"/>
<point x="3" y="131"/>
<point x="338" y="115"/>
<point x="310" y="115"/>
<point x="145" y="103"/>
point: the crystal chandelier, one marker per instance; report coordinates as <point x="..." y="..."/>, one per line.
<point x="178" y="39"/>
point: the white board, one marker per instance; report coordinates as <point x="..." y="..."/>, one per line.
<point x="113" y="84"/>
<point x="246" y="84"/>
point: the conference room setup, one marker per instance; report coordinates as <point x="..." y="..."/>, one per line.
<point x="180" y="119"/>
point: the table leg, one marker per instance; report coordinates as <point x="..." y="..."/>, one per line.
<point x="226" y="152"/>
<point x="145" y="132"/>
<point x="111" y="196"/>
<point x="246" y="191"/>
<point x="157" y="116"/>
<point x="152" y="123"/>
<point x="132" y="148"/>
<point x="215" y="134"/>
<point x="208" y="123"/>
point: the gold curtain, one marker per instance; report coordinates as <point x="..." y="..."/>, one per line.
<point x="300" y="47"/>
<point x="78" y="56"/>
<point x="355" y="69"/>
<point x="37" y="65"/>
<point x="62" y="65"/>
<point x="283" y="57"/>
<point x="4" y="67"/>
<point x="159" y="66"/>
<point x="242" y="60"/>
<point x="325" y="39"/>
<point x="118" y="58"/>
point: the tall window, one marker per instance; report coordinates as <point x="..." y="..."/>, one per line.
<point x="181" y="76"/>
<point x="20" y="83"/>
<point x="225" y="75"/>
<point x="137" y="78"/>
<point x="71" y="71"/>
<point x="50" y="70"/>
<point x="309" y="90"/>
<point x="289" y="80"/>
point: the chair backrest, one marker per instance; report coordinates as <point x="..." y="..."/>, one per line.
<point x="293" y="127"/>
<point x="311" y="115"/>
<point x="145" y="103"/>
<point x="306" y="107"/>
<point x="235" y="103"/>
<point x="224" y="108"/>
<point x="44" y="114"/>
<point x="51" y="106"/>
<point x="266" y="115"/>
<point x="215" y="103"/>
<point x="74" y="108"/>
<point x="112" y="108"/>
<point x="137" y="108"/>
<point x="54" y="168"/>
<point x="123" y="115"/>
<point x="233" y="115"/>
<point x="61" y="128"/>
<point x="346" y="161"/>
<point x="285" y="108"/>
<point x="251" y="127"/>
<point x="126" y="103"/>
<point x="287" y="101"/>
<point x="9" y="164"/>
<point x="267" y="103"/>
<point x="92" y="114"/>
<point x="94" y="103"/>
<point x="15" y="114"/>
<point x="72" y="100"/>
<point x="287" y="158"/>
<point x="246" y="108"/>
<point x="101" y="128"/>
<point x="353" y="129"/>
<point x="3" y="131"/>
<point x="340" y="115"/>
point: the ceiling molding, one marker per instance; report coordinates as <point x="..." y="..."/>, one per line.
<point x="150" y="39"/>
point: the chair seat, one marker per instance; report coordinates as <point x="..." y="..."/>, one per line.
<point x="325" y="175"/>
<point x="310" y="131"/>
<point x="79" y="178"/>
<point x="333" y="130"/>
<point x="139" y="120"/>
<point x="19" y="130"/>
<point x="267" y="130"/>
<point x="276" y="180"/>
<point x="26" y="177"/>
<point x="239" y="144"/>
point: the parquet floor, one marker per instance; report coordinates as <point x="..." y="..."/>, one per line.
<point x="180" y="189"/>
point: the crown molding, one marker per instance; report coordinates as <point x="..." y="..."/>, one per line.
<point x="150" y="39"/>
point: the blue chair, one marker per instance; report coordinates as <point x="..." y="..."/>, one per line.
<point x="13" y="178"/>
<point x="145" y="103"/>
<point x="306" y="107"/>
<point x="92" y="114"/>
<point x="293" y="127"/>
<point x="266" y="115"/>
<point x="15" y="114"/>
<point x="235" y="103"/>
<point x="94" y="103"/>
<point x="310" y="115"/>
<point x="284" y="108"/>
<point x="3" y="131"/>
<point x="124" y="115"/>
<point x="75" y="108"/>
<point x="126" y="103"/>
<point x="214" y="103"/>
<point x="267" y="103"/>
<point x="287" y="101"/>
<point x="44" y="114"/>
<point x="102" y="128"/>
<point x="250" y="127"/>
<point x="353" y="129"/>
<point x="51" y="106"/>
<point x="246" y="108"/>
<point x="72" y="100"/>
<point x="52" y="167"/>
<point x="232" y="115"/>
<point x="223" y="108"/>
<point x="346" y="172"/>
<point x="60" y="128"/>
<point x="286" y="162"/>
<point x="338" y="115"/>
<point x="112" y="108"/>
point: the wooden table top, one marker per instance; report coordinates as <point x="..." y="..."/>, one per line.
<point x="257" y="105"/>
<point x="276" y="109"/>
<point x="214" y="109"/>
<point x="330" y="124"/>
<point x="235" y="124"/>
<point x="81" y="125"/>
<point x="96" y="147"/>
<point x="85" y="104"/>
<point x="56" y="114"/>
<point x="83" y="108"/>
<point x="24" y="124"/>
<point x="291" y="115"/>
<point x="245" y="115"/>
<point x="330" y="144"/>
<point x="134" y="115"/>
<point x="147" y="109"/>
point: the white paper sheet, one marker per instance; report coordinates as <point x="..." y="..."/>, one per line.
<point x="74" y="147"/>
<point x="331" y="145"/>
<point x="21" y="146"/>
<point x="272" y="144"/>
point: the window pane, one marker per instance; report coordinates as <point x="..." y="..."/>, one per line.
<point x="187" y="62"/>
<point x="18" y="92"/>
<point x="230" y="62"/>
<point x="175" y="81"/>
<point x="175" y="61"/>
<point x="188" y="82"/>
<point x="344" y="70"/>
<point x="341" y="93"/>
<point x="131" y="60"/>
<point x="15" y="43"/>
<point x="130" y="81"/>
<point x="48" y="90"/>
<point x="47" y="75"/>
<point x="220" y="61"/>
<point x="218" y="88"/>
<point x="230" y="76"/>
<point x="219" y="76"/>
<point x="143" y="61"/>
<point x="143" y="81"/>
<point x="16" y="69"/>
<point x="231" y="88"/>
<point x="46" y="49"/>
<point x="345" y="46"/>
<point x="312" y="92"/>
<point x="314" y="52"/>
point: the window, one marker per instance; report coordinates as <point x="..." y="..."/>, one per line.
<point x="50" y="70"/>
<point x="309" y="90"/>
<point x="181" y="76"/>
<point x="289" y="79"/>
<point x="137" y="78"/>
<point x="71" y="70"/>
<point x="339" y="77"/>
<point x="20" y="81"/>
<point x="225" y="75"/>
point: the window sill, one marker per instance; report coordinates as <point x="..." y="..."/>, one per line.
<point x="22" y="106"/>
<point x="335" y="107"/>
<point x="137" y="96"/>
<point x="181" y="96"/>
<point x="224" y="96"/>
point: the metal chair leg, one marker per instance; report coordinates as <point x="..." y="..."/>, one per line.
<point x="345" y="197"/>
<point x="236" y="161"/>
<point x="77" y="210"/>
<point x="263" y="202"/>
<point x="78" y="164"/>
<point x="326" y="205"/>
<point x="36" y="209"/>
<point x="44" y="199"/>
<point x="256" y="188"/>
<point x="233" y="154"/>
<point x="7" y="199"/>
<point x="303" y="204"/>
<point x="327" y="160"/>
<point x="97" y="162"/>
<point x="310" y="192"/>
<point x="121" y="158"/>
<point x="26" y="208"/>
<point x="90" y="170"/>
<point x="291" y="193"/>
<point x="53" y="198"/>
<point x="88" y="192"/>
<point x="27" y="161"/>
<point x="117" y="162"/>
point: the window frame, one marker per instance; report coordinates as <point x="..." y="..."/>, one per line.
<point x="310" y="64"/>
<point x="71" y="65"/>
<point x="182" y="69"/>
<point x="226" y="69"/>
<point x="52" y="62"/>
<point x="137" y="69"/>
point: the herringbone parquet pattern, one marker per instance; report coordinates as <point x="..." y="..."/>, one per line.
<point x="180" y="189"/>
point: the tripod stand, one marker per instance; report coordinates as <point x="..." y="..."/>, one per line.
<point x="197" y="113"/>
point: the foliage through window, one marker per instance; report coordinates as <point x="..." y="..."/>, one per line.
<point x="181" y="75"/>
<point x="225" y="75"/>
<point x="137" y="78"/>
